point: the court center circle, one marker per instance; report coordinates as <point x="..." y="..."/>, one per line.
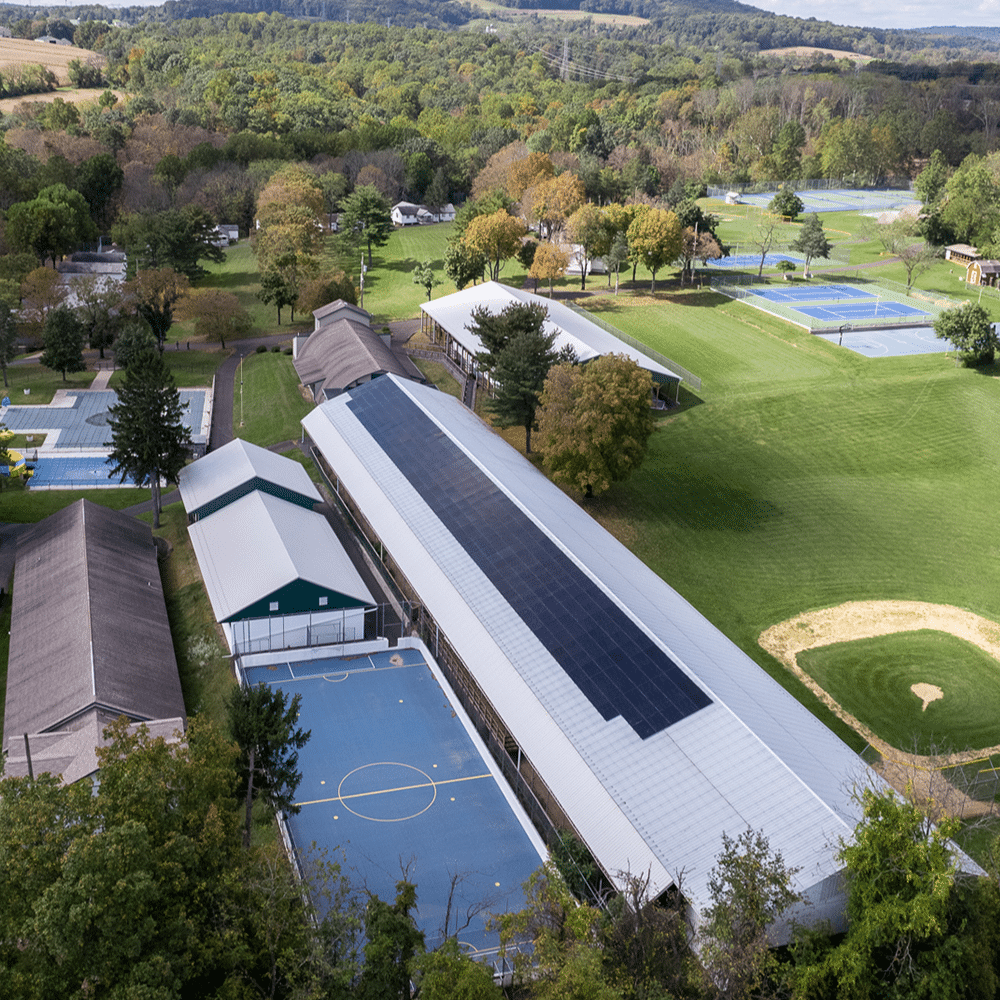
<point x="387" y="792"/>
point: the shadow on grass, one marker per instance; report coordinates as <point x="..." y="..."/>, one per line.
<point x="709" y="505"/>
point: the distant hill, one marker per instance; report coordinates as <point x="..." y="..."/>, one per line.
<point x="721" y="25"/>
<point x="990" y="33"/>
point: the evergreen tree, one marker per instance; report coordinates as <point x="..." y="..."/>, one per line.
<point x="811" y="241"/>
<point x="8" y="339"/>
<point x="149" y="439"/>
<point x="262" y="722"/>
<point x="366" y="218"/>
<point x="63" y="342"/>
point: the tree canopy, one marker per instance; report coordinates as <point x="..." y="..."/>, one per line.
<point x="262" y="722"/>
<point x="177" y="238"/>
<point x="970" y="331"/>
<point x="63" y="334"/>
<point x="811" y="240"/>
<point x="594" y="422"/>
<point x="518" y="355"/>
<point x="149" y="439"/>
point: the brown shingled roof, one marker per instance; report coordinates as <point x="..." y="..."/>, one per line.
<point x="89" y="625"/>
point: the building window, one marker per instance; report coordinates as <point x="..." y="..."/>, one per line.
<point x="324" y="601"/>
<point x="273" y="606"/>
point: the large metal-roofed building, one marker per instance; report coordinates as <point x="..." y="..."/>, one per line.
<point x="448" y="318"/>
<point x="630" y="717"/>
<point x="90" y="640"/>
<point x="239" y="468"/>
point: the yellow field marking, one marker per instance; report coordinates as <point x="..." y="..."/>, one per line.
<point x="401" y="788"/>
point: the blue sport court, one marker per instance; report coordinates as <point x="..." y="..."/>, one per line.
<point x="889" y="343"/>
<point x="813" y="293"/>
<point x="848" y="312"/>
<point x="842" y="200"/>
<point x="393" y="778"/>
<point x="747" y="260"/>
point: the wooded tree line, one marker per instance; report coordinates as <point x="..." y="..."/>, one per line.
<point x="143" y="887"/>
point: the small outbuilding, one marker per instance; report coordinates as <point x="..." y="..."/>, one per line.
<point x="983" y="272"/>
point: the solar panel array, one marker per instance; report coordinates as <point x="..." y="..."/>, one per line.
<point x="611" y="660"/>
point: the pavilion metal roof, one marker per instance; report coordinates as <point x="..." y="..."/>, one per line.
<point x="237" y="464"/>
<point x="750" y="756"/>
<point x="588" y="339"/>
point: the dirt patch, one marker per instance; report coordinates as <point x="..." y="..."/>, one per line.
<point x="862" y="620"/>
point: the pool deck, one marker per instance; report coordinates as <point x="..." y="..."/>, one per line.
<point x="76" y="421"/>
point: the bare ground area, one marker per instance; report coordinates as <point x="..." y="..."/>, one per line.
<point x="912" y="773"/>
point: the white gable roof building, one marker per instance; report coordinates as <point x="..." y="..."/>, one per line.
<point x="634" y="720"/>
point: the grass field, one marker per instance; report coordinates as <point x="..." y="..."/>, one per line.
<point x="56" y="58"/>
<point x="872" y="679"/>
<point x="803" y="476"/>
<point x="272" y="405"/>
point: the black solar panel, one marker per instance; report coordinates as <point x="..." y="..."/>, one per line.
<point x="610" y="660"/>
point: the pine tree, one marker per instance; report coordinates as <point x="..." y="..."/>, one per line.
<point x="262" y="722"/>
<point x="148" y="435"/>
<point x="811" y="240"/>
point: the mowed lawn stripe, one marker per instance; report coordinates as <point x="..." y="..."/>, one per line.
<point x="805" y="476"/>
<point x="872" y="679"/>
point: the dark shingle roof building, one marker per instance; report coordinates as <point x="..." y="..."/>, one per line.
<point x="90" y="639"/>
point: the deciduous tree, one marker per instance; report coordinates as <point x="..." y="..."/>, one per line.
<point x="217" y="315"/>
<point x="548" y="263"/>
<point x="99" y="308"/>
<point x="463" y="263"/>
<point x="594" y="422"/>
<point x="496" y="237"/>
<point x="424" y="276"/>
<point x="53" y="224"/>
<point x="786" y="203"/>
<point x="393" y="942"/>
<point x="969" y="329"/>
<point x="917" y="926"/>
<point x="586" y="228"/>
<point x="750" y="887"/>
<point x="654" y="238"/>
<point x="154" y="294"/>
<point x="63" y="334"/>
<point x="149" y="440"/>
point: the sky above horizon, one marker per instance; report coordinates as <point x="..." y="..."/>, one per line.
<point x="878" y="14"/>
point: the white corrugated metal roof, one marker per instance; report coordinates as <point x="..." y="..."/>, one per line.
<point x="236" y="463"/>
<point x="258" y="544"/>
<point x="454" y="313"/>
<point x="755" y="757"/>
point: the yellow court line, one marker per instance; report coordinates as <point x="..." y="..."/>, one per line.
<point x="386" y="791"/>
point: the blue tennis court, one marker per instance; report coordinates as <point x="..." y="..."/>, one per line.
<point x="392" y="777"/>
<point x="842" y="200"/>
<point x="848" y="312"/>
<point x="747" y="260"/>
<point x="813" y="293"/>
